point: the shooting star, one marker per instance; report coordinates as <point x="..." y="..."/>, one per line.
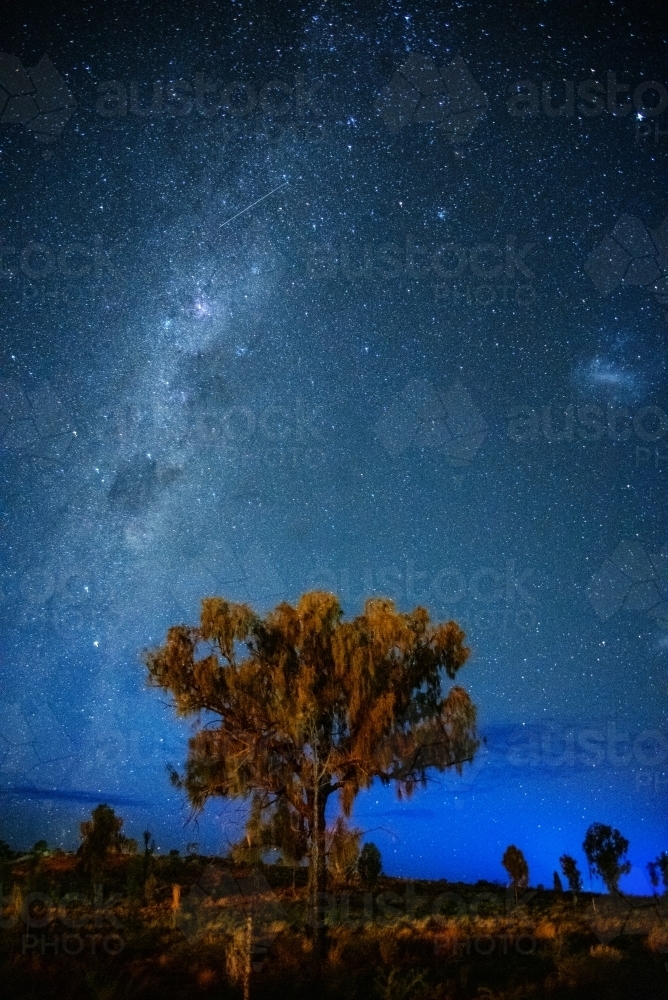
<point x="252" y="205"/>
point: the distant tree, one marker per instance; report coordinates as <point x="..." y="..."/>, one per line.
<point x="101" y="837"/>
<point x="557" y="884"/>
<point x="40" y="847"/>
<point x="343" y="850"/>
<point x="514" y="862"/>
<point x="149" y="851"/>
<point x="369" y="865"/>
<point x="316" y="706"/>
<point x="604" y="848"/>
<point x="572" y="875"/>
<point x="658" y="870"/>
<point x="7" y="855"/>
<point x="654" y="875"/>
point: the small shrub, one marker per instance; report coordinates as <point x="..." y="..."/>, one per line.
<point x="606" y="952"/>
<point x="369" y="865"/>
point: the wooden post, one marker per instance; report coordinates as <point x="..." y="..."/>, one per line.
<point x="247" y="957"/>
<point x="176" y="902"/>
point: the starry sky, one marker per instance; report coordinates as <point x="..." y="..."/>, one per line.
<point x="366" y="298"/>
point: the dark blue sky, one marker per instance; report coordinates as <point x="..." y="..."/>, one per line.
<point x="429" y="363"/>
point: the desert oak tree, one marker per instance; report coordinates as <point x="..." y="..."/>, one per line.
<point x="298" y="705"/>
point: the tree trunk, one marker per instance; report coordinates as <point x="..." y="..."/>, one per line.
<point x="318" y="872"/>
<point x="248" y="948"/>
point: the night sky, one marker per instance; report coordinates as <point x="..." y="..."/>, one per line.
<point x="335" y="298"/>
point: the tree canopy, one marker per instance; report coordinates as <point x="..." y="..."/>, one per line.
<point x="572" y="874"/>
<point x="515" y="863"/>
<point x="101" y="836"/>
<point x="605" y="847"/>
<point x="658" y="868"/>
<point x="369" y="865"/>
<point x="299" y="704"/>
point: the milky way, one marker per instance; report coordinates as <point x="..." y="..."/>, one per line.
<point x="315" y="302"/>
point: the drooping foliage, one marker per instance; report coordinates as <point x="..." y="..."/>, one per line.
<point x="572" y="874"/>
<point x="343" y="850"/>
<point x="299" y="704"/>
<point x="514" y="862"/>
<point x="604" y="848"/>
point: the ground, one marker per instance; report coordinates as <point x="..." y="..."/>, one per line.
<point x="173" y="927"/>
